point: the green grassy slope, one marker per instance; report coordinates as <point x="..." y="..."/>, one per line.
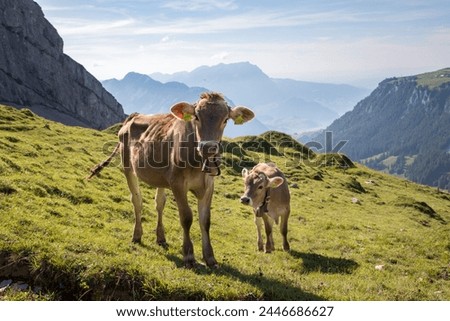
<point x="434" y="79"/>
<point x="72" y="237"/>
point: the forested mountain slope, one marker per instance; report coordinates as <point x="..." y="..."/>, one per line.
<point x="403" y="127"/>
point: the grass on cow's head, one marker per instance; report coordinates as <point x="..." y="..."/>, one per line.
<point x="355" y="234"/>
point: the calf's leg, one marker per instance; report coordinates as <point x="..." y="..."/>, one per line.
<point x="284" y="231"/>
<point x="259" y="223"/>
<point x="268" y="224"/>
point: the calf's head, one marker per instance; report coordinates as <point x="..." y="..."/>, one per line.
<point x="209" y="117"/>
<point x="256" y="186"/>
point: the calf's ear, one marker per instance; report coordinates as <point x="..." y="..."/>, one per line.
<point x="244" y="172"/>
<point x="241" y="115"/>
<point x="183" y="111"/>
<point x="275" y="181"/>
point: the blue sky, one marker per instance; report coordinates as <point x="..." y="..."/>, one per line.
<point x="356" y="42"/>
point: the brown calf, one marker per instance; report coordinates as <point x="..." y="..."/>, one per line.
<point x="267" y="191"/>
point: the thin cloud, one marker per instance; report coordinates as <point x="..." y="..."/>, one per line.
<point x="251" y="20"/>
<point x="81" y="27"/>
<point x="228" y="23"/>
<point x="221" y="56"/>
<point x="199" y="5"/>
<point x="245" y="21"/>
<point x="320" y="40"/>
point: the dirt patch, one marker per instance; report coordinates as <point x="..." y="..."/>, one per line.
<point x="7" y="189"/>
<point x="69" y="284"/>
<point x="353" y="185"/>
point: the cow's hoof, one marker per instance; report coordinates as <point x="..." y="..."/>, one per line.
<point x="163" y="244"/>
<point x="136" y="240"/>
<point x="192" y="264"/>
<point x="212" y="263"/>
<point x="189" y="262"/>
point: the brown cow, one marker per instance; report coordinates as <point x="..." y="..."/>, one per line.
<point x="179" y="151"/>
<point x="266" y="189"/>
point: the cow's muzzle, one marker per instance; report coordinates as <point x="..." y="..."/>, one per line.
<point x="208" y="148"/>
<point x="210" y="153"/>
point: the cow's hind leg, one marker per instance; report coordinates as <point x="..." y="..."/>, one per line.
<point x="160" y="202"/>
<point x="136" y="199"/>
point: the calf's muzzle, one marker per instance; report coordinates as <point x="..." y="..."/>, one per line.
<point x="245" y="200"/>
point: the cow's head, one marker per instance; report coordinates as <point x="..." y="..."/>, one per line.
<point x="256" y="187"/>
<point x="209" y="117"/>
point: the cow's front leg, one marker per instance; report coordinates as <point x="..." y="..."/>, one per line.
<point x="160" y="202"/>
<point x="259" y="224"/>
<point x="136" y="199"/>
<point x="185" y="214"/>
<point x="268" y="225"/>
<point x="204" y="210"/>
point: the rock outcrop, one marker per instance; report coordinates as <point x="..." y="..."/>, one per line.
<point x="35" y="73"/>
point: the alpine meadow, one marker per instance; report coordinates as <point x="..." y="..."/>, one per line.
<point x="354" y="233"/>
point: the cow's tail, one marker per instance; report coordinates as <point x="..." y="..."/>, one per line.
<point x="98" y="168"/>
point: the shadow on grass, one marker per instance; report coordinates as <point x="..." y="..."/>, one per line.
<point x="272" y="289"/>
<point x="318" y="263"/>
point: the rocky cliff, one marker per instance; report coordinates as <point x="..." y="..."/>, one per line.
<point x="35" y="73"/>
<point x="402" y="127"/>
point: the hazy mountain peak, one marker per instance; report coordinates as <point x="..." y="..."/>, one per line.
<point x="235" y="70"/>
<point x="138" y="78"/>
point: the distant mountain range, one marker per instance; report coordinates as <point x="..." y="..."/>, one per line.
<point x="280" y="104"/>
<point x="403" y="128"/>
<point x="140" y="93"/>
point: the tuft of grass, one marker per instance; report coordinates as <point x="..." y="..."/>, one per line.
<point x="72" y="238"/>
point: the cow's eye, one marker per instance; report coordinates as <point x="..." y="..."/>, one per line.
<point x="260" y="187"/>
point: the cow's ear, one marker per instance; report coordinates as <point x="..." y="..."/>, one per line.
<point x="241" y="115"/>
<point x="244" y="172"/>
<point x="275" y="181"/>
<point x="183" y="111"/>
